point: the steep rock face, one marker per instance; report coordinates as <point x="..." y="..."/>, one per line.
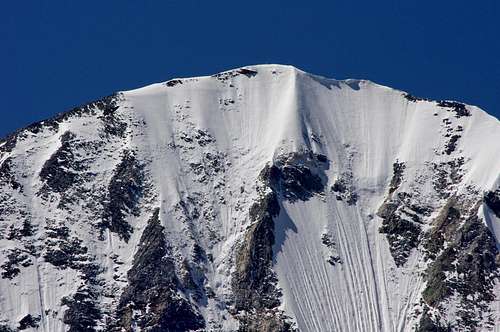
<point x="291" y="177"/>
<point x="151" y="301"/>
<point x="492" y="200"/>
<point x="124" y="191"/>
<point x="258" y="199"/>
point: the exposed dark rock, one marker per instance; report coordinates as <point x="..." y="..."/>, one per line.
<point x="53" y="123"/>
<point x="209" y="166"/>
<point x="443" y="229"/>
<point x="438" y="288"/>
<point x="203" y="137"/>
<point x="321" y="158"/>
<point x="452" y="144"/>
<point x="7" y="208"/>
<point x="270" y="323"/>
<point x="65" y="252"/>
<point x="124" y="192"/>
<point x="327" y="240"/>
<point x="256" y="296"/>
<point x="333" y="258"/>
<point x="28" y="321"/>
<point x="38" y="127"/>
<point x="401" y="227"/>
<point x="18" y="233"/>
<point x="427" y="324"/>
<point x="83" y="312"/>
<point x="254" y="281"/>
<point x="226" y="101"/>
<point x="153" y="289"/>
<point x="15" y="259"/>
<point x="185" y="137"/>
<point x="492" y="200"/>
<point x="459" y="109"/>
<point x="297" y="176"/>
<point x="476" y="259"/>
<point x="7" y="175"/>
<point x="345" y="191"/>
<point x="225" y="76"/>
<point x="65" y="171"/>
<point x="89" y="108"/>
<point x="299" y="182"/>
<point x="339" y="186"/>
<point x="6" y="328"/>
<point x="199" y="137"/>
<point x="172" y="83"/>
<point x="60" y="171"/>
<point x="247" y="72"/>
<point x="8" y="143"/>
<point x="446" y="175"/>
<point x="423" y="210"/>
<point x="403" y="236"/>
<point x="466" y="267"/>
<point x="113" y="126"/>
<point x="397" y="177"/>
<point x="55" y="231"/>
<point x="414" y="98"/>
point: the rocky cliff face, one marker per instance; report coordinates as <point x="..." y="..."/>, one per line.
<point x="258" y="199"/>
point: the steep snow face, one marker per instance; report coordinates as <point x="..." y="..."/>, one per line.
<point x="258" y="199"/>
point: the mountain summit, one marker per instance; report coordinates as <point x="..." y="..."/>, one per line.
<point x="262" y="198"/>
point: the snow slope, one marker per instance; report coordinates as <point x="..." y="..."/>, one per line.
<point x="201" y="144"/>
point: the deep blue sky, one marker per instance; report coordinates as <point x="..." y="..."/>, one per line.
<point x="59" y="54"/>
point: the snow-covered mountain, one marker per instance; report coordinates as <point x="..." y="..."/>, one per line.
<point x="259" y="199"/>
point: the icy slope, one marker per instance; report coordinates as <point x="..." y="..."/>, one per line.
<point x="258" y="199"/>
